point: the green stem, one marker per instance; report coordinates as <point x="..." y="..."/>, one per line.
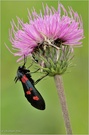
<point x="62" y="99"/>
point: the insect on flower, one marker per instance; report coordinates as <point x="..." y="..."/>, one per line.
<point x="49" y="39"/>
<point x="31" y="93"/>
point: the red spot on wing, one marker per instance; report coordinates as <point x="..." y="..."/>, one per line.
<point x="28" y="92"/>
<point x="30" y="89"/>
<point x="35" y="98"/>
<point x="24" y="79"/>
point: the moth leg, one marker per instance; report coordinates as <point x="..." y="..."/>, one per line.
<point x="40" y="79"/>
<point x="35" y="71"/>
<point x="16" y="79"/>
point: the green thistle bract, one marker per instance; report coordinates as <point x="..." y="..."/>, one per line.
<point x="53" y="60"/>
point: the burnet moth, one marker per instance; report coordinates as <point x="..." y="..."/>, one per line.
<point x="31" y="93"/>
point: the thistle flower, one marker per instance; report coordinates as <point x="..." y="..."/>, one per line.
<point x="52" y="27"/>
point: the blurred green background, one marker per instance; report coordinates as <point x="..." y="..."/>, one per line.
<point x="17" y="115"/>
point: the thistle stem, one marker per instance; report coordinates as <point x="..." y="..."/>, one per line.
<point x="62" y="98"/>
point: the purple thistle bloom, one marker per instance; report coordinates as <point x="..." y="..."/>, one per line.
<point x="50" y="26"/>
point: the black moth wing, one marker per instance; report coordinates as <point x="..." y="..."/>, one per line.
<point x="34" y="97"/>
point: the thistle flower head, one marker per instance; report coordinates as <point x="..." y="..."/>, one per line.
<point x="50" y="35"/>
